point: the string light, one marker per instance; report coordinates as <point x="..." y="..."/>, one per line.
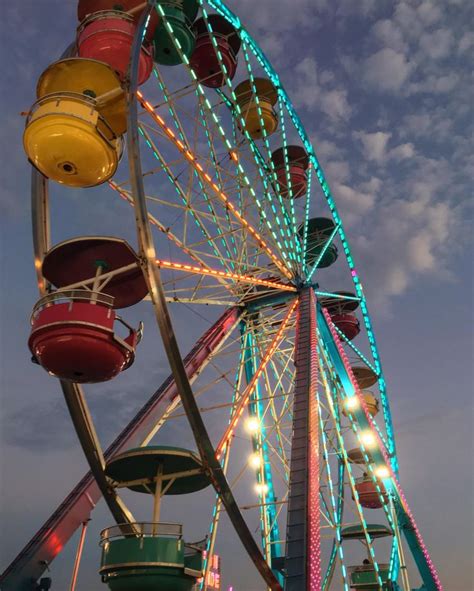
<point x="243" y="400"/>
<point x="225" y="274"/>
<point x="252" y="425"/>
<point x="255" y="461"/>
<point x="351" y="403"/>
<point x="382" y="472"/>
<point x="368" y="439"/>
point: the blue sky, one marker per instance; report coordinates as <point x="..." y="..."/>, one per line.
<point x="384" y="89"/>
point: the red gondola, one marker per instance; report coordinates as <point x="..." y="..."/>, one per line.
<point x="340" y="309"/>
<point x="348" y="324"/>
<point x="107" y="36"/>
<point x="74" y="338"/>
<point x="74" y="334"/>
<point x="204" y="60"/>
<point x="369" y="497"/>
<point x="132" y="7"/>
<point x="291" y="165"/>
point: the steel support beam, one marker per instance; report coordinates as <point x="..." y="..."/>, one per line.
<point x="380" y="457"/>
<point x="268" y="512"/>
<point x="303" y="559"/>
<point x="76" y="508"/>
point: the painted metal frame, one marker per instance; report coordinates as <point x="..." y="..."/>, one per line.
<point x="73" y="393"/>
<point x="33" y="560"/>
<point x="153" y="278"/>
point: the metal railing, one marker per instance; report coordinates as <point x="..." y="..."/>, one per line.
<point x="141" y="530"/>
<point x="72" y="295"/>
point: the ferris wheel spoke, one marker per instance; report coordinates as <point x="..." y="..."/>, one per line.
<point x="290" y="229"/>
<point x="252" y="233"/>
<point x="188" y="210"/>
<point x="126" y="196"/>
<point x="180" y="128"/>
<point x="260" y="163"/>
<point x="206" y="179"/>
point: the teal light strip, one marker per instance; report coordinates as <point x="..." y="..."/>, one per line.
<point x="233" y="19"/>
<point x="291" y="199"/>
<point x="354" y="348"/>
<point x="257" y="156"/>
<point x="323" y="252"/>
<point x="200" y="183"/>
<point x="229" y="146"/>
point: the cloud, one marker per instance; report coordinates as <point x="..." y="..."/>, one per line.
<point x="429" y="12"/>
<point x="313" y="90"/>
<point x="466" y="42"/>
<point x="355" y="202"/>
<point x="387" y="70"/>
<point x="374" y="144"/>
<point x="402" y="151"/>
<point x="420" y="252"/>
<point x="436" y="45"/>
<point x="435" y="84"/>
<point x="284" y="16"/>
<point x="338" y="170"/>
<point x="407" y="239"/>
<point x="335" y="104"/>
<point x="389" y="35"/>
<point x="375" y="147"/>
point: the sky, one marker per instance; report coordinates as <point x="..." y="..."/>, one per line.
<point x="384" y="90"/>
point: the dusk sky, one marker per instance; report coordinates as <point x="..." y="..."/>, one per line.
<point x="384" y="89"/>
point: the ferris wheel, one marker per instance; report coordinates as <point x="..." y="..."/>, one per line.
<point x="175" y="107"/>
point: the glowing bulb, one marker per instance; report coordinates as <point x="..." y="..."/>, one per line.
<point x="255" y="461"/>
<point x="252" y="425"/>
<point x="261" y="488"/>
<point x="382" y="472"/>
<point x="368" y="439"/>
<point x="351" y="403"/>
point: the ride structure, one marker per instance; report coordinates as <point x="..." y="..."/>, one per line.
<point x="222" y="176"/>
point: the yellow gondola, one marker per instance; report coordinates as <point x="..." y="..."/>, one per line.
<point x="73" y="130"/>
<point x="257" y="107"/>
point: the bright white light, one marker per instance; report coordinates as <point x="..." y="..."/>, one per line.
<point x="252" y="424"/>
<point x="382" y="472"/>
<point x="261" y="488"/>
<point x="368" y="439"/>
<point x="352" y="403"/>
<point x="255" y="460"/>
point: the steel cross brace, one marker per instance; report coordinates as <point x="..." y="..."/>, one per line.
<point x="47" y="543"/>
